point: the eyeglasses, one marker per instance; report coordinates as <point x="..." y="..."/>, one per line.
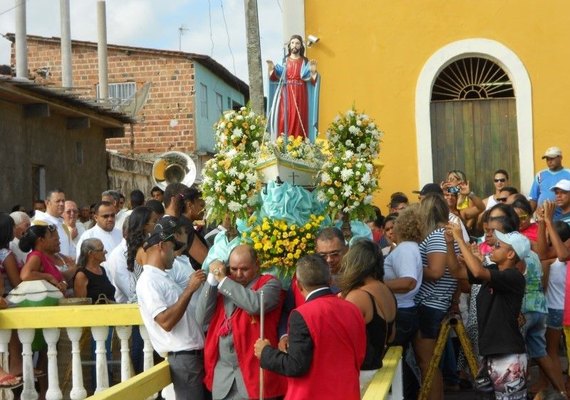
<point x="107" y="216"/>
<point x="502" y="199"/>
<point x="331" y="254"/>
<point x="99" y="250"/>
<point x="523" y="216"/>
<point x="500" y="180"/>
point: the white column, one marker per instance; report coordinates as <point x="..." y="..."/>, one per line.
<point x="54" y="391"/>
<point x="147" y="349"/>
<point x="5" y="335"/>
<point x="26" y="336"/>
<point x="78" y="391"/>
<point x="21" y="40"/>
<point x="148" y="360"/>
<point x="100" y="334"/>
<point x="124" y="333"/>
<point x="102" y="50"/>
<point x="65" y="23"/>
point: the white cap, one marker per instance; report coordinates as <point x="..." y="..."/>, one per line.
<point x="518" y="241"/>
<point x="563" y="184"/>
<point x="552" y="152"/>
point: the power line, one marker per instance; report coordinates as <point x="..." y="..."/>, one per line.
<point x="228" y="35"/>
<point x="11" y="8"/>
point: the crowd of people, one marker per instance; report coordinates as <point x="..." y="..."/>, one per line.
<point x="499" y="261"/>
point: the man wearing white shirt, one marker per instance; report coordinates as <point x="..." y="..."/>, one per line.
<point x="104" y="230"/>
<point x="167" y="316"/>
<point x="55" y="205"/>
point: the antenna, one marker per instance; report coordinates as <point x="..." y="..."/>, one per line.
<point x="181" y="30"/>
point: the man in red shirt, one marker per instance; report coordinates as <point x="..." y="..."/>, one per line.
<point x="327" y="340"/>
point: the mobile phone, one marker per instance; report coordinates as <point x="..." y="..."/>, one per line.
<point x="453" y="189"/>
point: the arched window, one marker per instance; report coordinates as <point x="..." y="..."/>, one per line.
<point x="472" y="78"/>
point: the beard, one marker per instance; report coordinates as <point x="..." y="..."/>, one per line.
<point x="295" y="50"/>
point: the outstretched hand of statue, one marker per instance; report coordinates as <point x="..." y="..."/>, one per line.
<point x="270" y="66"/>
<point x="313" y="67"/>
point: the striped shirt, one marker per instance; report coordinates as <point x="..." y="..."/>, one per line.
<point x="437" y="293"/>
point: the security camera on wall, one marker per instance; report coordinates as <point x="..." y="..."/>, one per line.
<point x="312" y="39"/>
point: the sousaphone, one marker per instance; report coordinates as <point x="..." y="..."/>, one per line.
<point x="173" y="167"/>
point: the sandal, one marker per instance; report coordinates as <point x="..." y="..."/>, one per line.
<point x="10" y="382"/>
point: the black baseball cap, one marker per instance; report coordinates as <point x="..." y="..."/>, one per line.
<point x="429" y="188"/>
<point x="164" y="231"/>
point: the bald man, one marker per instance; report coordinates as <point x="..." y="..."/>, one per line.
<point x="231" y="293"/>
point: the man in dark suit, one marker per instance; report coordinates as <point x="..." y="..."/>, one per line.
<point x="230" y="303"/>
<point x="327" y="340"/>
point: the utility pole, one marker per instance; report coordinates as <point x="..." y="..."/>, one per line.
<point x="254" y="57"/>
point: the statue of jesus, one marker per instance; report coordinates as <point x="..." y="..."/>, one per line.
<point x="294" y="94"/>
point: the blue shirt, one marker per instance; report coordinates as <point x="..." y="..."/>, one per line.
<point x="542" y="183"/>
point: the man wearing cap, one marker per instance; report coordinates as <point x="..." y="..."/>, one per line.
<point x="230" y="303"/>
<point x="499" y="305"/>
<point x="562" y="199"/>
<point x="167" y="314"/>
<point x="547" y="178"/>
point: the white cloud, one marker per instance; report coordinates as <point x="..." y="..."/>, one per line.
<point x="155" y="24"/>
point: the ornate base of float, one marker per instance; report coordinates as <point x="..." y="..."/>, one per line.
<point x="277" y="169"/>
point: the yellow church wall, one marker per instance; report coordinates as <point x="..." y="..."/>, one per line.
<point x="370" y="54"/>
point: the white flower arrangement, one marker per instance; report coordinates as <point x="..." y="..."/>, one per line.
<point x="241" y="130"/>
<point x="356" y="132"/>
<point x="230" y="183"/>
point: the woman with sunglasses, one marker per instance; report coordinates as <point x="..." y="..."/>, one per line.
<point x="91" y="279"/>
<point x="500" y="180"/>
<point x="43" y="242"/>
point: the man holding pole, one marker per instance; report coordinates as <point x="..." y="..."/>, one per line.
<point x="327" y="340"/>
<point x="230" y="303"/>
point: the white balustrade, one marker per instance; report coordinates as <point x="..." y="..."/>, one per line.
<point x="26" y="321"/>
<point x="124" y="333"/>
<point x="51" y="337"/>
<point x="148" y="358"/>
<point x="5" y="335"/>
<point x="100" y="334"/>
<point x="26" y="337"/>
<point x="78" y="391"/>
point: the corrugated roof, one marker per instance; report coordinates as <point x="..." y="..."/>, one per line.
<point x="26" y="91"/>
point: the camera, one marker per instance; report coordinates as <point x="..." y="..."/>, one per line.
<point x="453" y="189"/>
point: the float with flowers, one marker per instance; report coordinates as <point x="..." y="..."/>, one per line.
<point x="277" y="195"/>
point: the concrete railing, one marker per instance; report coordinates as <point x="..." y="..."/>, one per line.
<point x="386" y="384"/>
<point x="388" y="377"/>
<point x="25" y="320"/>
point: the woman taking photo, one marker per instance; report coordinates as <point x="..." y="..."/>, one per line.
<point x="91" y="279"/>
<point x="361" y="283"/>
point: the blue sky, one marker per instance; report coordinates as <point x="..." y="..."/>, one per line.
<point x="156" y="23"/>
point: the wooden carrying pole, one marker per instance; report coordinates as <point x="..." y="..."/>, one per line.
<point x="261" y="336"/>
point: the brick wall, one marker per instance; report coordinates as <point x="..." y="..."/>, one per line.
<point x="166" y="120"/>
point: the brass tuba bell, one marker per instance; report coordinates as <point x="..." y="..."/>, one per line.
<point x="173" y="167"/>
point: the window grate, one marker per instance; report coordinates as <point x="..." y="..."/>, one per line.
<point x="472" y="78"/>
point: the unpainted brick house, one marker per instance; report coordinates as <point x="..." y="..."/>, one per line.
<point x="175" y="97"/>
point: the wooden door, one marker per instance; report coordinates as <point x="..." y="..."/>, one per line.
<point x="478" y="137"/>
